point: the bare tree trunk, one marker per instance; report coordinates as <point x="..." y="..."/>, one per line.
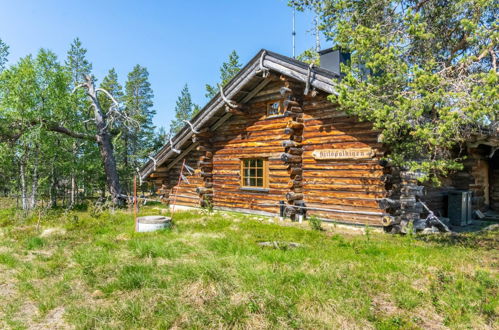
<point x="24" y="197"/>
<point x="53" y="187"/>
<point x="34" y="184"/>
<point x="105" y="144"/>
<point x="73" y="179"/>
<point x="72" y="193"/>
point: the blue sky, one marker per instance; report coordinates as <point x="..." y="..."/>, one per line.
<point x="178" y="41"/>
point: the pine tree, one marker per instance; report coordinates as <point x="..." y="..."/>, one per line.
<point x="185" y="109"/>
<point x="111" y="84"/>
<point x="310" y="56"/>
<point x="139" y="106"/>
<point x="227" y="71"/>
<point x="77" y="63"/>
<point x="423" y="72"/>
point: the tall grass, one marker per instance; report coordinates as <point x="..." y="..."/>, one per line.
<point x="209" y="271"/>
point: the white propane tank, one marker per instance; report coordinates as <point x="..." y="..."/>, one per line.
<point x="153" y="223"/>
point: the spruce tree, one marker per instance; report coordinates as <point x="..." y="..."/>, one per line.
<point x="111" y="84"/>
<point x="77" y="63"/>
<point x="185" y="109"/>
<point x="227" y="71"/>
<point x="139" y="106"/>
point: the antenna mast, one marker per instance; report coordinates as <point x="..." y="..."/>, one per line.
<point x="294" y="32"/>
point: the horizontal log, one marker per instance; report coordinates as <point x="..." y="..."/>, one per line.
<point x="206" y="197"/>
<point x="292" y="184"/>
<point x="285" y="91"/>
<point x="203" y="190"/>
<point x="208" y="164"/>
<point x="413" y="190"/>
<point x="203" y="148"/>
<point x="295" y="151"/>
<point x="289" y="144"/>
<point x="234" y="112"/>
<point x="290" y="103"/>
<point x="296" y="109"/>
<point x="347" y="218"/>
<point x="291" y="196"/>
<point x="294" y="171"/>
<point x="296" y="126"/>
<point x="288" y="158"/>
<point x="206" y="159"/>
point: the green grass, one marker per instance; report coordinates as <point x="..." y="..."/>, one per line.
<point x="208" y="271"/>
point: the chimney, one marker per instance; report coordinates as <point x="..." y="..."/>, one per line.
<point x="331" y="58"/>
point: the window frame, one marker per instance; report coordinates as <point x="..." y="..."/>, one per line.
<point x="265" y="177"/>
<point x="279" y="111"/>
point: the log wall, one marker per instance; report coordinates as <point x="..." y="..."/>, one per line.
<point x="287" y="142"/>
<point x="253" y="135"/>
<point x="347" y="185"/>
<point x="167" y="182"/>
<point x="480" y="174"/>
<point x="345" y="190"/>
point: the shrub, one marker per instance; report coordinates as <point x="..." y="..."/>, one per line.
<point x="315" y="223"/>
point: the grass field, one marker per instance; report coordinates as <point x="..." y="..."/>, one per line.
<point x="209" y="272"/>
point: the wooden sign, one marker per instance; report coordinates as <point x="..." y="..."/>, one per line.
<point x="354" y="153"/>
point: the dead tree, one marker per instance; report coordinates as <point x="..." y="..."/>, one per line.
<point x="103" y="121"/>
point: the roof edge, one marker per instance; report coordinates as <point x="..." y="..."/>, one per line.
<point x="318" y="77"/>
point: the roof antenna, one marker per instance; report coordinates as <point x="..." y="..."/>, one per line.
<point x="293" y="34"/>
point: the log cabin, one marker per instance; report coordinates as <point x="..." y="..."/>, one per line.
<point x="272" y="142"/>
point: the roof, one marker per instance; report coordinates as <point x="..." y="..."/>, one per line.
<point x="246" y="84"/>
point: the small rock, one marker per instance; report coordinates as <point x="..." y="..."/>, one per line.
<point x="280" y="245"/>
<point x="53" y="232"/>
<point x="494" y="227"/>
<point x="431" y="230"/>
<point x="97" y="294"/>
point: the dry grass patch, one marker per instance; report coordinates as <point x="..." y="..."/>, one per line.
<point x="199" y="293"/>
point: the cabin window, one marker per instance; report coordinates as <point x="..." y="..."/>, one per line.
<point x="274" y="108"/>
<point x="254" y="173"/>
